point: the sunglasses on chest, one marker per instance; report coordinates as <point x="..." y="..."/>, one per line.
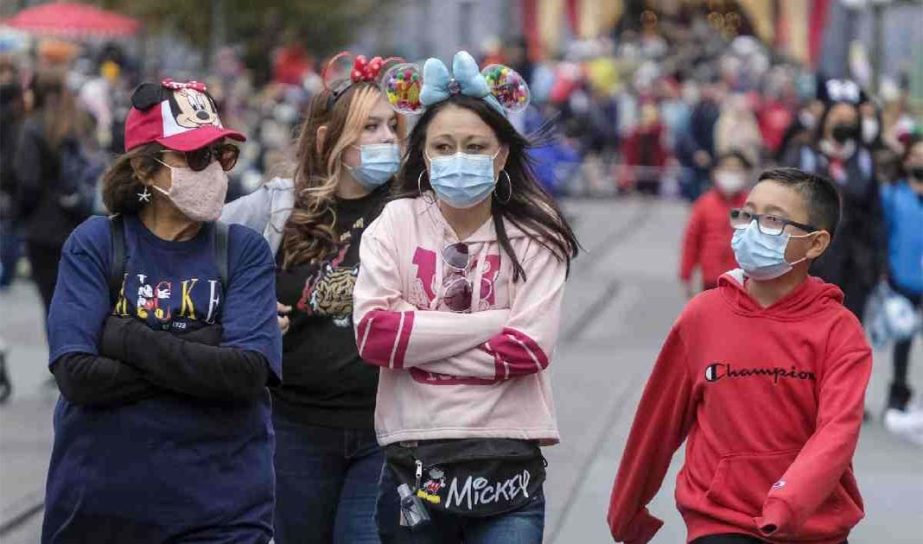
<point x="457" y="286"/>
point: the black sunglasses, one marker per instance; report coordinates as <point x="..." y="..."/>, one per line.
<point x="199" y="159"/>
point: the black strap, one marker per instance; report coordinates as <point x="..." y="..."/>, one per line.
<point x="221" y="252"/>
<point x="117" y="257"/>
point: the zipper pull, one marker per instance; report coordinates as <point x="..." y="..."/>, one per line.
<point x="419" y="473"/>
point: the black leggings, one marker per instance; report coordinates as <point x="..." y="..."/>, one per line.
<point x="900" y="391"/>
<point x="44" y="259"/>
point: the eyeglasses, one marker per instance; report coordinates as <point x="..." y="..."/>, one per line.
<point x="457" y="287"/>
<point x="772" y="225"/>
<point x="199" y="159"/>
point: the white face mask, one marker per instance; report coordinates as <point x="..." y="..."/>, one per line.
<point x="730" y="182"/>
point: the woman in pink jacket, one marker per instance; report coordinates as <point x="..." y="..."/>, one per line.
<point x="458" y="301"/>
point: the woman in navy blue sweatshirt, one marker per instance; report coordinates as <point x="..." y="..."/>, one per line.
<point x="162" y="339"/>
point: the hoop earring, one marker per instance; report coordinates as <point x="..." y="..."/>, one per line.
<point x="145" y="196"/>
<point x="419" y="181"/>
<point x="510" y="184"/>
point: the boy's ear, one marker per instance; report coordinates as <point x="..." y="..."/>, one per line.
<point x="819" y="244"/>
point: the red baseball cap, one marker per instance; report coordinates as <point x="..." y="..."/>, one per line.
<point x="178" y="116"/>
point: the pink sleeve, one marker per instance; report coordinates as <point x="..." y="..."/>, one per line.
<point x="526" y="343"/>
<point x="388" y="332"/>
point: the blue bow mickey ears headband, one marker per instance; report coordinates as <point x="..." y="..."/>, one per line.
<point x="409" y="92"/>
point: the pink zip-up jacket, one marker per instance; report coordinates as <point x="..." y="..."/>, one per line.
<point x="456" y="375"/>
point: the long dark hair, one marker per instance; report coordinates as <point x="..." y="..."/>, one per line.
<point x="529" y="207"/>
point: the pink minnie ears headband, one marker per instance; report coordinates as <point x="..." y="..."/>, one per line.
<point x="410" y="92"/>
<point x="362" y="70"/>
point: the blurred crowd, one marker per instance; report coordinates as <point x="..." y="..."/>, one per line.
<point x="649" y="111"/>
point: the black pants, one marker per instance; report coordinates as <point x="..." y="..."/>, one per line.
<point x="727" y="539"/>
<point x="731" y="539"/>
<point x="44" y="260"/>
<point x="900" y="393"/>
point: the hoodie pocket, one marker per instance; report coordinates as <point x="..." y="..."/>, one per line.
<point x="742" y="482"/>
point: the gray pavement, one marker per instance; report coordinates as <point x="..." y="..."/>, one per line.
<point x="622" y="298"/>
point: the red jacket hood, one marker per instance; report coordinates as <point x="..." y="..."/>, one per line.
<point x="801" y="303"/>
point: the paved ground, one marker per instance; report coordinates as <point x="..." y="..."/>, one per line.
<point x="621" y="300"/>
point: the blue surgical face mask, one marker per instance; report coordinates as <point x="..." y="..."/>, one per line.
<point x="378" y="164"/>
<point x="762" y="256"/>
<point x="462" y="180"/>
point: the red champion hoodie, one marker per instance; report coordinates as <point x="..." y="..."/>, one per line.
<point x="770" y="403"/>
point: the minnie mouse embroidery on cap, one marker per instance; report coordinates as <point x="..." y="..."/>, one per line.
<point x="181" y="116"/>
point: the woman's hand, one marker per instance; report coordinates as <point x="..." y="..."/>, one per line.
<point x="284" y="321"/>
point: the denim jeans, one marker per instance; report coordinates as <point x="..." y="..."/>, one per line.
<point x="523" y="526"/>
<point x="326" y="484"/>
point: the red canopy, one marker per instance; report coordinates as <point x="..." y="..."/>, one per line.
<point x="73" y="20"/>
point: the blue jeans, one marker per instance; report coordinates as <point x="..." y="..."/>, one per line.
<point x="326" y="483"/>
<point x="523" y="526"/>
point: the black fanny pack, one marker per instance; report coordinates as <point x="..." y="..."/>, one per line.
<point x="470" y="477"/>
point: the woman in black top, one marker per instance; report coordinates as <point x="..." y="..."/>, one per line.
<point x="327" y="461"/>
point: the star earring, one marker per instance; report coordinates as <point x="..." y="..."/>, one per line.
<point x="145" y="196"/>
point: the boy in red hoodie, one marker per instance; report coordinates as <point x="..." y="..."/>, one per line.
<point x="764" y="377"/>
<point x="707" y="242"/>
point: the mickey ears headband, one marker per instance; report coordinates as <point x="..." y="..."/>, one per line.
<point x="410" y="92"/>
<point x="362" y="70"/>
<point x="841" y="90"/>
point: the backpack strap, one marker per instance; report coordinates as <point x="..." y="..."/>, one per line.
<point x="117" y="256"/>
<point x="221" y="251"/>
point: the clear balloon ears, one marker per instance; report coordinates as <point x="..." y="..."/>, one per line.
<point x="410" y="90"/>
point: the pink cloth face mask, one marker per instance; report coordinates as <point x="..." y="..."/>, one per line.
<point x="199" y="195"/>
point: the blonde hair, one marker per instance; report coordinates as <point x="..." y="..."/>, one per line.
<point x="310" y="233"/>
